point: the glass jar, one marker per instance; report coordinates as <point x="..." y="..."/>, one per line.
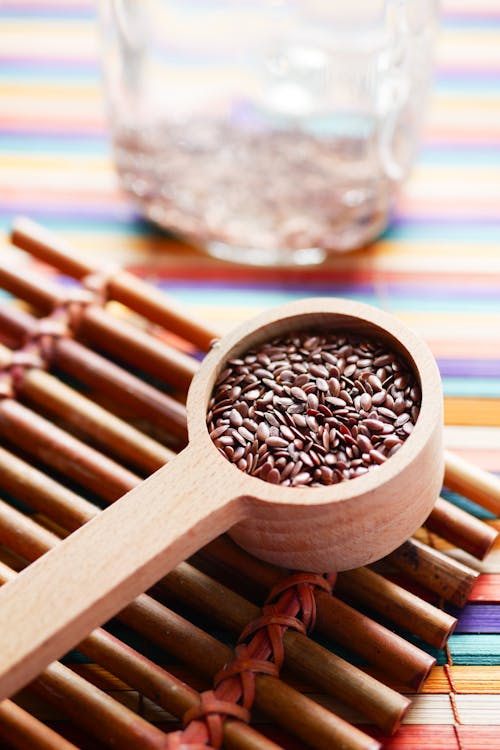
<point x="267" y="131"/>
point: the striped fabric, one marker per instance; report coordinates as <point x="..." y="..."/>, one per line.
<point x="437" y="266"/>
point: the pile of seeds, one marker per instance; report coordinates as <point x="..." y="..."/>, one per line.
<point x="313" y="409"/>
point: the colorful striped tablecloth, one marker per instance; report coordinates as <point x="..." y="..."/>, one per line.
<point x="437" y="267"/>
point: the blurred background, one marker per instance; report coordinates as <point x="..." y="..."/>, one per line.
<point x="437" y="266"/>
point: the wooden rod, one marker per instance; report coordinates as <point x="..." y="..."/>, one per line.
<point x="95" y="711"/>
<point x="146" y="402"/>
<point x="122" y="286"/>
<point x="65" y="453"/>
<point x="467" y="479"/>
<point x="448" y="578"/>
<point x="23" y="732"/>
<point x="95" y="371"/>
<point x="393" y="655"/>
<point x="111" y="433"/>
<point x="395" y="603"/>
<point x="461" y="528"/>
<point x="147" y="678"/>
<point x="379" y="703"/>
<point x="136" y="346"/>
<point x="43" y="493"/>
<point x="305" y="658"/>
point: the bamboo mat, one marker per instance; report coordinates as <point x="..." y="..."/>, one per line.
<point x="437" y="267"/>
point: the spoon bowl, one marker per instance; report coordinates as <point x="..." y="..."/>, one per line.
<point x="354" y="522"/>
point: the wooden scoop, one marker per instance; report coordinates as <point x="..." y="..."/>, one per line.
<point x="100" y="568"/>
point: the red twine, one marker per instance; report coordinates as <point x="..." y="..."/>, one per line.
<point x="260" y="650"/>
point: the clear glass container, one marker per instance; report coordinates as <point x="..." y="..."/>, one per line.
<point x="267" y="131"/>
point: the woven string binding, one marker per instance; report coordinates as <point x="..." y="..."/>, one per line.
<point x="63" y="321"/>
<point x="259" y="651"/>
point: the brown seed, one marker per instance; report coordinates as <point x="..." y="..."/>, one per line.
<point x="273" y="476"/>
<point x="262" y="431"/>
<point x="273" y="441"/>
<point x="377" y="456"/>
<point x="378" y="398"/>
<point x="235" y="418"/>
<point x="301" y="380"/>
<point x="301" y="478"/>
<point x="218" y="431"/>
<point x="322" y="385"/>
<point x="384" y="412"/>
<point x="408" y="428"/>
<point x="400" y="421"/>
<point x="374" y="425"/>
<point x="334" y="401"/>
<point x="319" y="371"/>
<point x="287" y="433"/>
<point x="251" y="395"/>
<point x="364" y="443"/>
<point x="298" y="393"/>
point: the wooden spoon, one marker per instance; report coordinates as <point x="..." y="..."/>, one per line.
<point x="103" y="566"/>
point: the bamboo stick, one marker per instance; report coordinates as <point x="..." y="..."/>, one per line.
<point x="478" y="485"/>
<point x="97" y="372"/>
<point x="122" y="286"/>
<point x="91" y="708"/>
<point x="395" y="603"/>
<point x="23" y="732"/>
<point x="461" y="528"/>
<point x="378" y="645"/>
<point x="50" y="394"/>
<point x="149" y="679"/>
<point x="66" y="454"/>
<point x="97" y="712"/>
<point x="43" y="493"/>
<point x="381" y="704"/>
<point x="138" y="348"/>
<point x="135" y="346"/>
<point x="448" y="578"/>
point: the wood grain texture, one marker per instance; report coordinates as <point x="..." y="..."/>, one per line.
<point x="103" y="566"/>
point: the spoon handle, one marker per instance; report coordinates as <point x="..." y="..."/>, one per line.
<point x="99" y="569"/>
